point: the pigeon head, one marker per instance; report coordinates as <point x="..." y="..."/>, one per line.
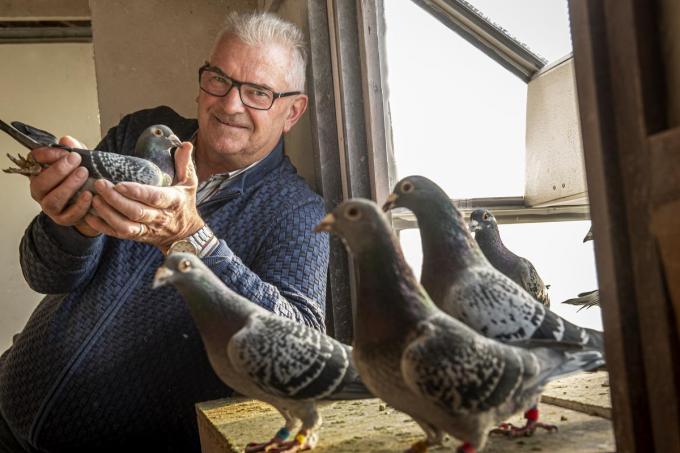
<point x="482" y="219"/>
<point x="155" y="144"/>
<point x="358" y="222"/>
<point x="178" y="266"/>
<point x="420" y="194"/>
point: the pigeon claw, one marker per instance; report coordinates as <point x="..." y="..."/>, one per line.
<point x="528" y="430"/>
<point x="26" y="166"/>
<point x="301" y="442"/>
<point x="262" y="446"/>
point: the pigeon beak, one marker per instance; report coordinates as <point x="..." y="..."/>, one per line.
<point x="162" y="277"/>
<point x="390" y="202"/>
<point x="474" y="226"/>
<point x="175" y="140"/>
<point x="326" y="223"/>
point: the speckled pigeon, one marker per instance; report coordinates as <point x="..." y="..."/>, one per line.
<point x="265" y="356"/>
<point x="520" y="270"/>
<point x="425" y="363"/>
<point x="151" y="162"/>
<point x="463" y="283"/>
<point x="589" y="298"/>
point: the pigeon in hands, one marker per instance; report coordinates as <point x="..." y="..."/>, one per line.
<point x="462" y="282"/>
<point x="520" y="270"/>
<point x="447" y="377"/>
<point x="265" y="356"/>
<point x="151" y="162"/>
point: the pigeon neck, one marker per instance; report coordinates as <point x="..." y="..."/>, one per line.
<point x="217" y="311"/>
<point x="447" y="243"/>
<point x="490" y="242"/>
<point x="389" y="296"/>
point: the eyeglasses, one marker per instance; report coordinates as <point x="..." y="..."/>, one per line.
<point x="216" y="83"/>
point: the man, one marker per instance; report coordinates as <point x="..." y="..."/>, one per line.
<point x="107" y="363"/>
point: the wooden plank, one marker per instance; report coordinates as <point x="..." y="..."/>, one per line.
<point x="631" y="414"/>
<point x="371" y="426"/>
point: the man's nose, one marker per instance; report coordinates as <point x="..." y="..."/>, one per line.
<point x="232" y="100"/>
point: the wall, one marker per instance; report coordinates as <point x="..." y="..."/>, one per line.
<point x="670" y="45"/>
<point x="555" y="173"/>
<point x="51" y="86"/>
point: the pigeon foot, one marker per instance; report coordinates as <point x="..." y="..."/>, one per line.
<point x="466" y="448"/>
<point x="302" y="442"/>
<point x="528" y="430"/>
<point x="418" y="447"/>
<point x="26" y="166"/>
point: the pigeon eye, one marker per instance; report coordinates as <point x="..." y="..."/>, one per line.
<point x="353" y="213"/>
<point x="407" y="187"/>
<point x="184" y="265"/>
<point x="486" y="216"/>
<point x="157" y="132"/>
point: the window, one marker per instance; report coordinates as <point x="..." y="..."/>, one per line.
<point x="459" y="118"/>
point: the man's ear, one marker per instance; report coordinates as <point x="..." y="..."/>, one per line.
<point x="295" y="111"/>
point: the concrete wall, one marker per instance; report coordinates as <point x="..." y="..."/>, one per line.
<point x="51" y="86"/>
<point x="147" y="53"/>
<point x="555" y="172"/>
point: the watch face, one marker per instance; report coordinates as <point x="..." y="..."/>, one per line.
<point x="183" y="246"/>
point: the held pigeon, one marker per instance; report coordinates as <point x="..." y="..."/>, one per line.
<point x="462" y="282"/>
<point x="423" y="362"/>
<point x="520" y="270"/>
<point x="264" y="356"/>
<point x="151" y="163"/>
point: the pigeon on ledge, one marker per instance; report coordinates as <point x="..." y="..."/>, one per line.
<point x="423" y="362"/>
<point x="265" y="356"/>
<point x="151" y="162"/>
<point x="462" y="282"/>
<point x="520" y="270"/>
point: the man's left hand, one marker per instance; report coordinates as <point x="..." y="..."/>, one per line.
<point x="155" y="215"/>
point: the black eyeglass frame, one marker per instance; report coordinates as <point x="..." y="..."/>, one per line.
<point x="238" y="84"/>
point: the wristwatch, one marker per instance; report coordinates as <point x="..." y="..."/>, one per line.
<point x="199" y="243"/>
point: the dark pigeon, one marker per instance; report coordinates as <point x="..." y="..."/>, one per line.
<point x="463" y="283"/>
<point x="423" y="362"/>
<point x="520" y="270"/>
<point x="264" y="356"/>
<point x="151" y="162"/>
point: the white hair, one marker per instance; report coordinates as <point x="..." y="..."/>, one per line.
<point x="263" y="28"/>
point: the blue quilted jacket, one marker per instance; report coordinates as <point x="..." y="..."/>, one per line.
<point x="106" y="363"/>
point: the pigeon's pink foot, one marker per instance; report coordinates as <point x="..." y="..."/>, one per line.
<point x="466" y="448"/>
<point x="303" y="441"/>
<point x="26" y="166"/>
<point x="274" y="442"/>
<point x="528" y="430"/>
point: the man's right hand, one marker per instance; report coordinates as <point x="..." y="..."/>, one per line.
<point x="55" y="185"/>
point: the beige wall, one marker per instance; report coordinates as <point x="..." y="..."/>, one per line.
<point x="147" y="53"/>
<point x="555" y="172"/>
<point x="51" y="86"/>
<point x="44" y="10"/>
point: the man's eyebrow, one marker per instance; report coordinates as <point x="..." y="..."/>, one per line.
<point x="258" y="85"/>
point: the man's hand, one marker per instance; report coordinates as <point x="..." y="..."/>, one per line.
<point x="155" y="215"/>
<point x="55" y="185"/>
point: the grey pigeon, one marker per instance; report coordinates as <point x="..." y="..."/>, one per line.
<point x="423" y="362"/>
<point x="520" y="270"/>
<point x="463" y="283"/>
<point x="589" y="298"/>
<point x="151" y="162"/>
<point x="264" y="356"/>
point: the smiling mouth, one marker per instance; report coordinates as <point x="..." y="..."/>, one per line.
<point x="227" y="123"/>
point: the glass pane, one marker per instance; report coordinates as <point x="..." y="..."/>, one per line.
<point x="556" y="249"/>
<point x="458" y="117"/>
<point x="542" y="25"/>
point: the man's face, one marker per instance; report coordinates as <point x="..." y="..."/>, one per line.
<point x="241" y="134"/>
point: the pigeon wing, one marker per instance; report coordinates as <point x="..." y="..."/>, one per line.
<point x="460" y="372"/>
<point x="532" y="282"/>
<point x="288" y="359"/>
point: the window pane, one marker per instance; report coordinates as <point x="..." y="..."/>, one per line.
<point x="556" y="249"/>
<point x="458" y="117"/>
<point x="543" y="25"/>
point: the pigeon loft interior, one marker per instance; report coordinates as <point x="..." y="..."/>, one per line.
<point x="557" y="121"/>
